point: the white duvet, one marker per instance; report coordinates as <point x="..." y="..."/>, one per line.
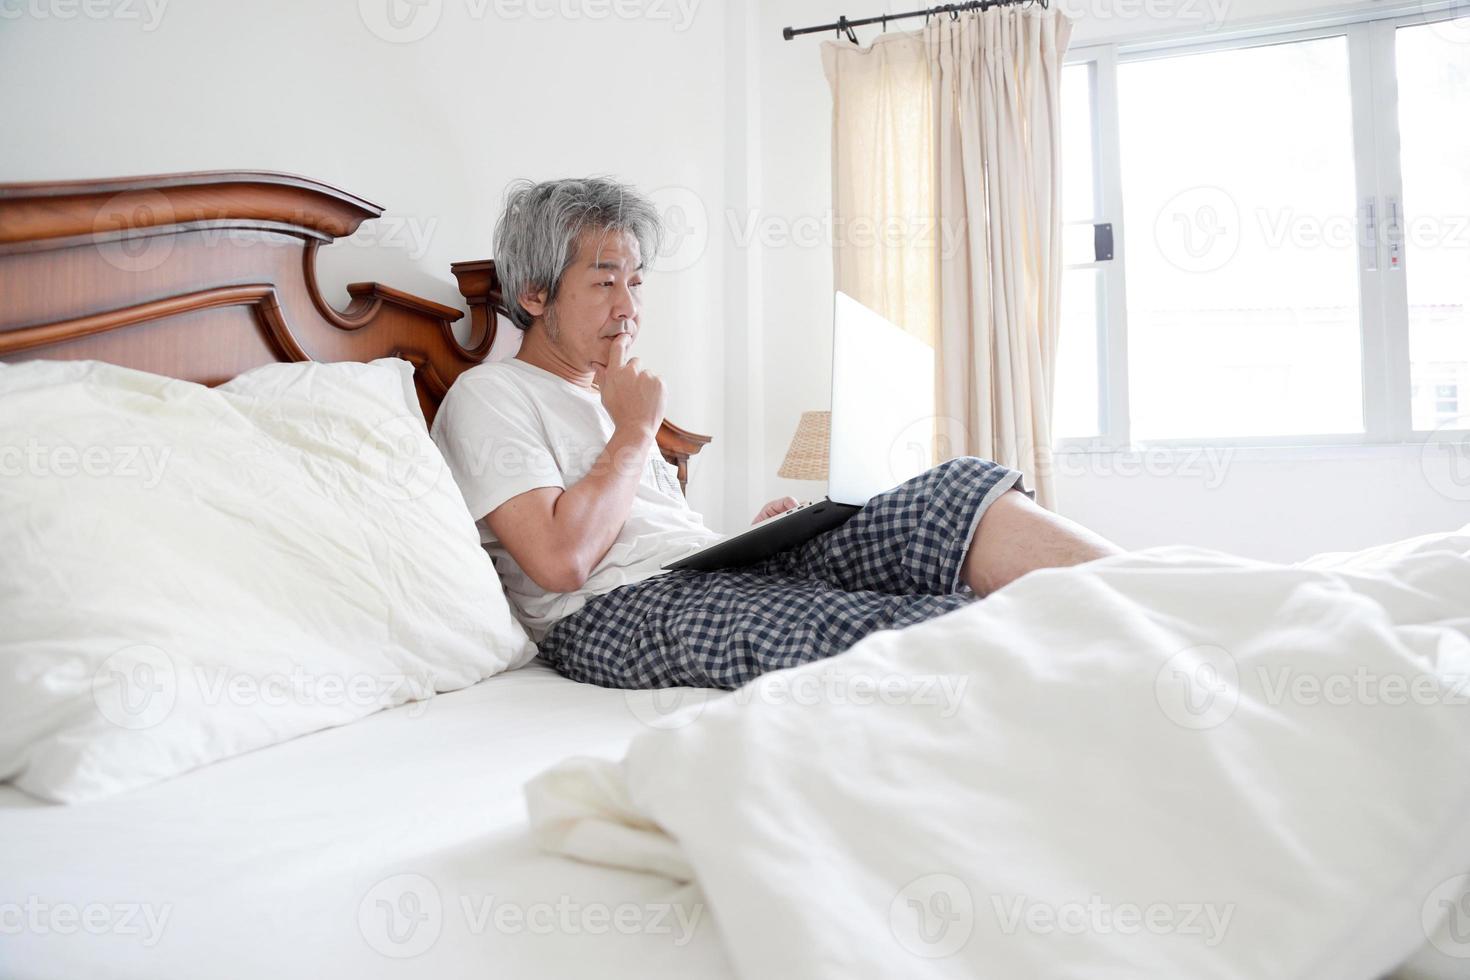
<point x="1168" y="764"/>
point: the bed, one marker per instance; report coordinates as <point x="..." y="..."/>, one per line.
<point x="828" y="813"/>
<point x="393" y="846"/>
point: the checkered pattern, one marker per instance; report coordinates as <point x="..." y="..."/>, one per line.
<point x="896" y="562"/>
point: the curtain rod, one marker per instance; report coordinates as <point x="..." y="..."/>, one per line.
<point x="845" y="26"/>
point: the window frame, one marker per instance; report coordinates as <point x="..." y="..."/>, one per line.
<point x="1383" y="292"/>
<point x="1112" y="366"/>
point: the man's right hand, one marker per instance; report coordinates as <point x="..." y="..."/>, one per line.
<point x="633" y="398"/>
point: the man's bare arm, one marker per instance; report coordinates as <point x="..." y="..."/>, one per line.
<point x="558" y="536"/>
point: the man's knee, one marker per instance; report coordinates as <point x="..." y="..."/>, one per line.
<point x="969" y="471"/>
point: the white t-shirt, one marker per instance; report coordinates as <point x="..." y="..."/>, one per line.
<point x="509" y="427"/>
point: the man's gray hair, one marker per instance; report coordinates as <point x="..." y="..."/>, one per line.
<point x="536" y="237"/>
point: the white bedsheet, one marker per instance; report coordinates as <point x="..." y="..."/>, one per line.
<point x="288" y="862"/>
<point x="1168" y="764"/>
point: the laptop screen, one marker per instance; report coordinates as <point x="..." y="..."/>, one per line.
<point x="883" y="419"/>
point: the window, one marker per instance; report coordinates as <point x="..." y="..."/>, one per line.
<point x="1293" y="261"/>
<point x="1434" y="102"/>
<point x="1077" y="409"/>
<point x="1242" y="301"/>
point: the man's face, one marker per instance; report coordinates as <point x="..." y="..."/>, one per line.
<point x="597" y="301"/>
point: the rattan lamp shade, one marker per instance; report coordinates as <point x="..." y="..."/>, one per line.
<point x="807" y="457"/>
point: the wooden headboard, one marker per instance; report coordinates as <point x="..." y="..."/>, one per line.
<point x="201" y="276"/>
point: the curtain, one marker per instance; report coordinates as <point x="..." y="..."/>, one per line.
<point x="946" y="196"/>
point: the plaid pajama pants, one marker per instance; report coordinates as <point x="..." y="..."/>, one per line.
<point x="896" y="562"/>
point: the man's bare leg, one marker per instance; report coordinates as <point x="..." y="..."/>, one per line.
<point x="1016" y="536"/>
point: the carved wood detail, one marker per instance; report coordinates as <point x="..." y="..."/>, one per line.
<point x="152" y="272"/>
<point x="260" y="297"/>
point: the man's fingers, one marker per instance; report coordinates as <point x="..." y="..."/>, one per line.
<point x="775" y="507"/>
<point x="619" y="350"/>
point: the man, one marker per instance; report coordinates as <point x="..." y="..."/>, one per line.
<point x="554" y="450"/>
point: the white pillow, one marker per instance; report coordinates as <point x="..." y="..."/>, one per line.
<point x="190" y="573"/>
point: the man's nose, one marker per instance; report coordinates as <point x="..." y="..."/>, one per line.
<point x="625" y="304"/>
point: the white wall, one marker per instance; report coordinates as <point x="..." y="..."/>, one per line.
<point x="701" y="102"/>
<point x="1274" y="506"/>
<point x="431" y="128"/>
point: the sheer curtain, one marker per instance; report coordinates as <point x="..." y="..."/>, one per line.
<point x="946" y="194"/>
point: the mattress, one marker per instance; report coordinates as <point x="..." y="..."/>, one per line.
<point x="393" y="847"/>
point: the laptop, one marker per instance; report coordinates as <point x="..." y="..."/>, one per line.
<point x="882" y="425"/>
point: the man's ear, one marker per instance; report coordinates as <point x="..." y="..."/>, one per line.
<point x="534" y="303"/>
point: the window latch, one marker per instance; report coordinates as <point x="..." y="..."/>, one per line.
<point x="1394" y="236"/>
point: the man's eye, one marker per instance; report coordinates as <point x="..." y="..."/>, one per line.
<point x="636" y="284"/>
